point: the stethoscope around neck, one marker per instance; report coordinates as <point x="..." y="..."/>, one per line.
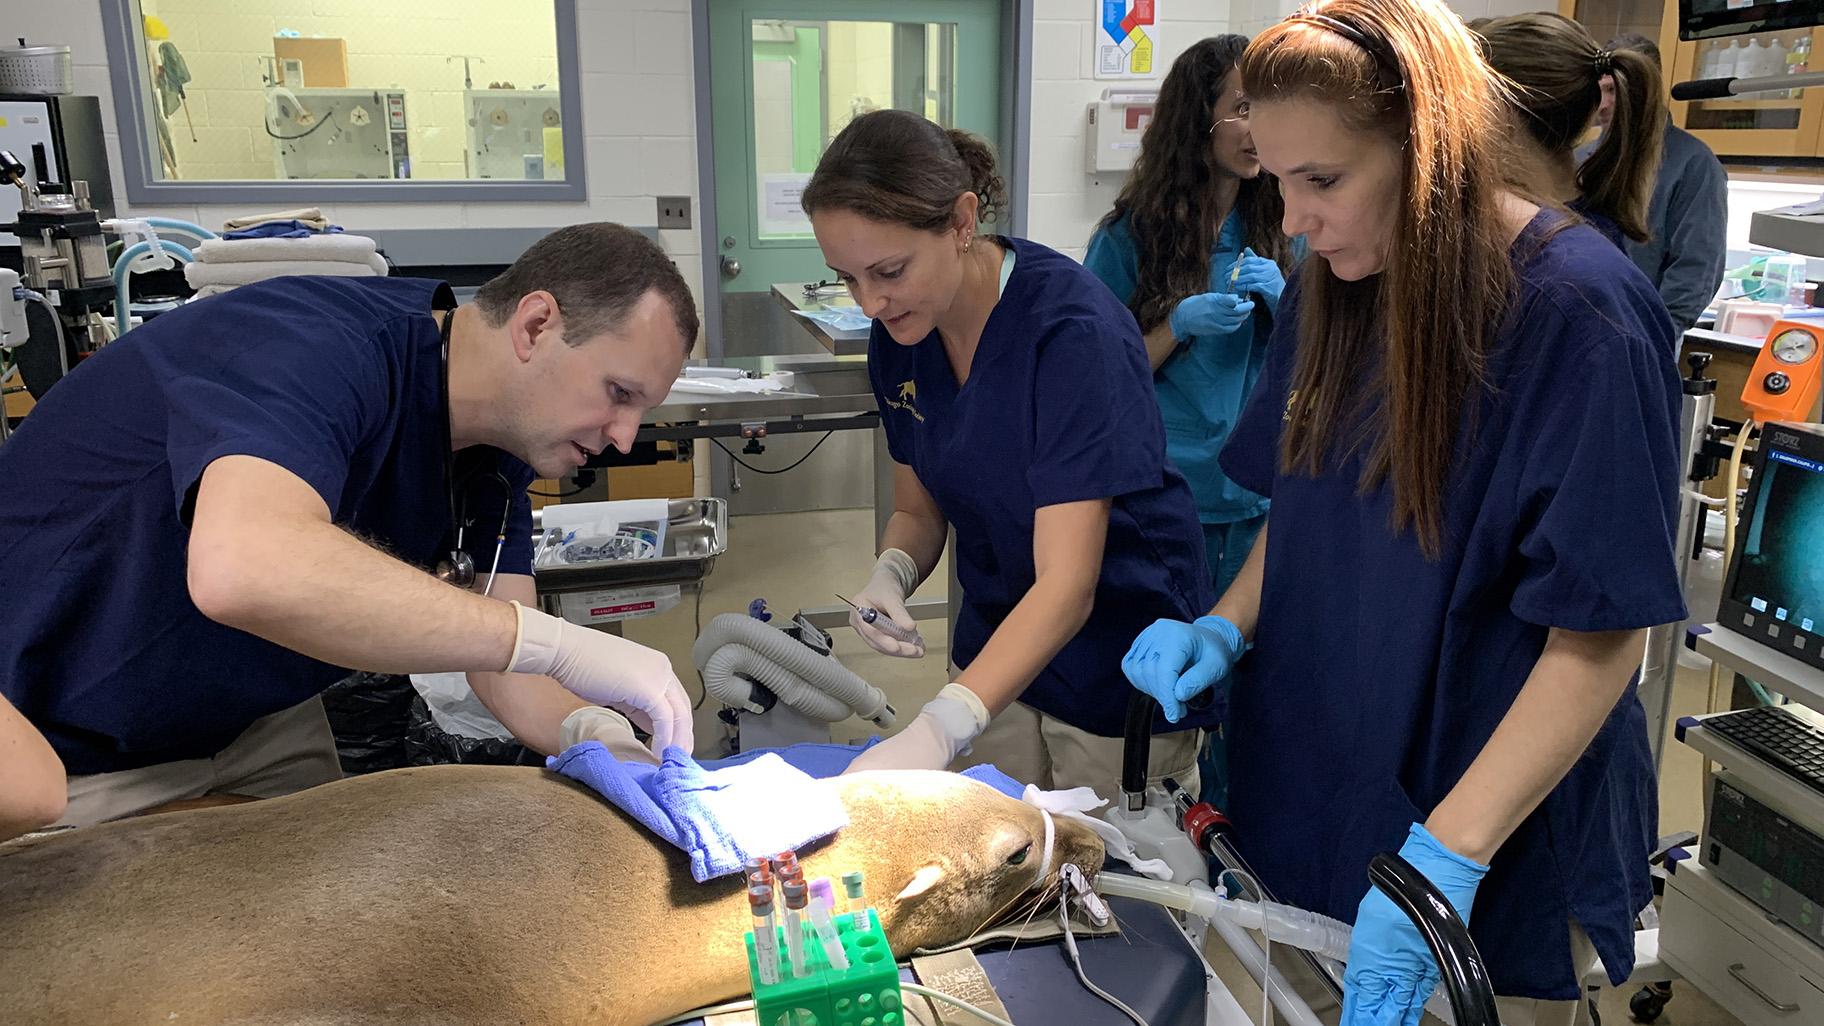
<point x="458" y="568"/>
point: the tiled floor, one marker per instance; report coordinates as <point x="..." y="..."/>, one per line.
<point x="801" y="560"/>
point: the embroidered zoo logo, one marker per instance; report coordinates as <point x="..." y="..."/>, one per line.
<point x="908" y="400"/>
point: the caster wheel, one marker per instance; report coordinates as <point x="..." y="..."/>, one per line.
<point x="1647" y="1004"/>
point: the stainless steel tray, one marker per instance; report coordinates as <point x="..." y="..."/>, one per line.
<point x="696" y="534"/>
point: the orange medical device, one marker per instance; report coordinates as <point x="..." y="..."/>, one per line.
<point x="1788" y="374"/>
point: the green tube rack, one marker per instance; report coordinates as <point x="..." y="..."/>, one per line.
<point x="865" y="994"/>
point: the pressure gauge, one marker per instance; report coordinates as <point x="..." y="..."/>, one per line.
<point x="1794" y="346"/>
<point x="1789" y="372"/>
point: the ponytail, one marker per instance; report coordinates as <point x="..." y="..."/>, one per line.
<point x="1618" y="178"/>
<point x="984" y="177"/>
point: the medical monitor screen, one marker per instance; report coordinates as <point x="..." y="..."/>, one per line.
<point x="1775" y="592"/>
<point x="1707" y="19"/>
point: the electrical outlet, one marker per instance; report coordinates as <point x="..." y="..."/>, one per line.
<point x="674" y="211"/>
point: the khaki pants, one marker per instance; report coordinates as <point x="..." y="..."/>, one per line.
<point x="1514" y="1011"/>
<point x="287" y="751"/>
<point x="1034" y="748"/>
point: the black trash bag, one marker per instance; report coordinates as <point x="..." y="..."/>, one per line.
<point x="427" y="744"/>
<point x="368" y="713"/>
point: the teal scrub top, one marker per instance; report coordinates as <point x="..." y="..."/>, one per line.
<point x="1203" y="386"/>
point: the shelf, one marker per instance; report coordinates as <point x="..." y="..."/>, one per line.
<point x="1755" y="775"/>
<point x="1791" y="104"/>
<point x="1773" y="670"/>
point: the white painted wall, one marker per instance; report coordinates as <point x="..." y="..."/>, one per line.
<point x="639" y="116"/>
<point x="1066" y="201"/>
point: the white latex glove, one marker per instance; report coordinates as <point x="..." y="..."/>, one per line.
<point x="594" y="723"/>
<point x="943" y="730"/>
<point x="606" y="670"/>
<point x="894" y="633"/>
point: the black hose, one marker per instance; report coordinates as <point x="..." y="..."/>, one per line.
<point x="1465" y="975"/>
<point x="312" y="130"/>
<point x="1137" y="746"/>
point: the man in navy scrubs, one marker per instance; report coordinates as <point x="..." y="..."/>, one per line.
<point x="215" y="518"/>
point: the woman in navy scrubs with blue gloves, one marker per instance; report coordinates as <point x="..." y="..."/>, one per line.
<point x="1016" y="398"/>
<point x="1466" y="426"/>
<point x="1193" y="248"/>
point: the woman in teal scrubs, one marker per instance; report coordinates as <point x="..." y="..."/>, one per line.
<point x="1193" y="247"/>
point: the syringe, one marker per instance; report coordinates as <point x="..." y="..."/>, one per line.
<point x="885" y="625"/>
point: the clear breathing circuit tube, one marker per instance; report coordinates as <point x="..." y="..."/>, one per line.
<point x="1280" y="924"/>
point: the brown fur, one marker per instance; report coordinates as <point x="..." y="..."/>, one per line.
<point x="458" y="895"/>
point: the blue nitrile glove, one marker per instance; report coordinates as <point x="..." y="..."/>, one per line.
<point x="1174" y="661"/>
<point x="1391" y="971"/>
<point x="1210" y="313"/>
<point x="1258" y="276"/>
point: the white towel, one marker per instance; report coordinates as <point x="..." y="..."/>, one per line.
<point x="353" y="249"/>
<point x="200" y="274"/>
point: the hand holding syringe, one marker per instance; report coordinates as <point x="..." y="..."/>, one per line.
<point x="871" y="616"/>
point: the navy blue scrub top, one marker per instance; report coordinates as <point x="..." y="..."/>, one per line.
<point x="1378" y="675"/>
<point x="338" y="380"/>
<point x="1058" y="407"/>
<point x="1607" y="226"/>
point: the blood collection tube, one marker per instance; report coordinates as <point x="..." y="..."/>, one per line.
<point x="766" y="941"/>
<point x="823" y="900"/>
<point x="760" y="880"/>
<point x="858" y="909"/>
<point x="794" y="928"/>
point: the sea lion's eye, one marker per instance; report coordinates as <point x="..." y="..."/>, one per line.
<point x="1018" y="858"/>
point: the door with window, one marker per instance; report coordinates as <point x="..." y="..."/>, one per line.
<point x="785" y="78"/>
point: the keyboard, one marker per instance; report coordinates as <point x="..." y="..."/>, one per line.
<point x="1789" y="744"/>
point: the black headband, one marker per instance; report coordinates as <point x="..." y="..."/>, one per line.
<point x="1377" y="50"/>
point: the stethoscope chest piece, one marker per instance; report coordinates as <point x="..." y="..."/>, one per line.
<point x="457" y="568"/>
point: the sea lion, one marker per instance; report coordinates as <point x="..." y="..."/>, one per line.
<point x="464" y="894"/>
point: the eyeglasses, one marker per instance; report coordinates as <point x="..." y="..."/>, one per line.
<point x="1241" y="117"/>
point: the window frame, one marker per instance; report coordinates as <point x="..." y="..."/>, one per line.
<point x="127" y="68"/>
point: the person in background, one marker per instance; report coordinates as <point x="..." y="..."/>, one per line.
<point x="1554" y="68"/>
<point x="1686" y="251"/>
<point x="1193" y="247"/>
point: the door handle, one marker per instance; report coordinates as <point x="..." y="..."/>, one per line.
<point x="1739" y="971"/>
<point x="731" y="268"/>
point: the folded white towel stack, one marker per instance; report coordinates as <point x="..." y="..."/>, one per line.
<point x="354" y="249"/>
<point x="222" y="264"/>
